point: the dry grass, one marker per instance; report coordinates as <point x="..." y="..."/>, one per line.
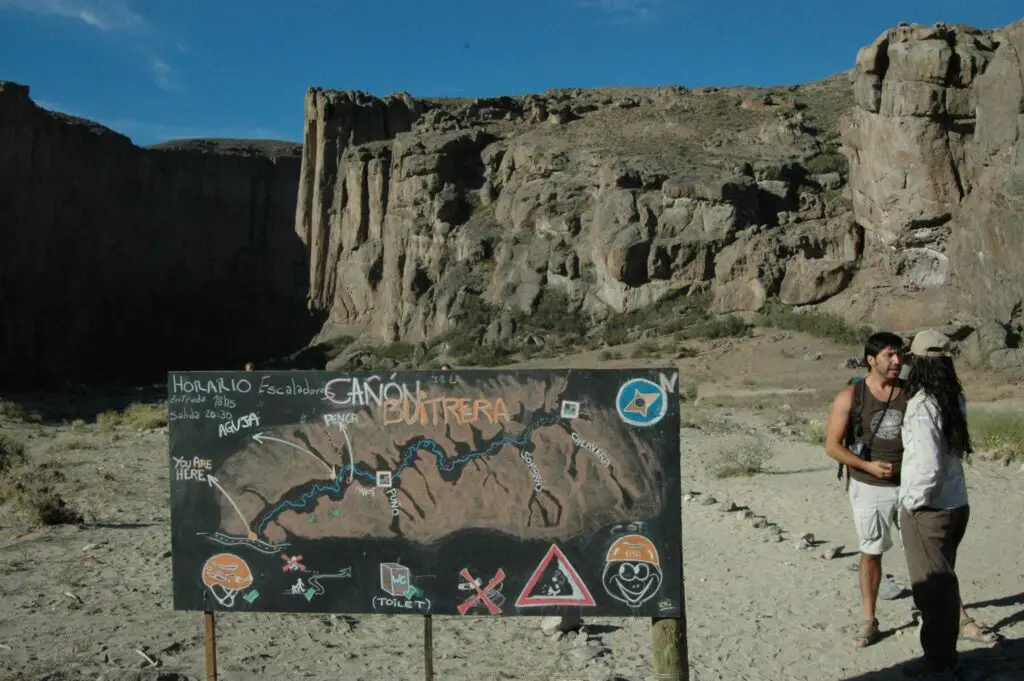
<point x="814" y="432"/>
<point x="138" y="415"/>
<point x="12" y="453"/>
<point x="999" y="432"/>
<point x="16" y="412"/>
<point x="27" y="492"/>
<point x="818" y="324"/>
<point x="707" y="422"/>
<point x="747" y="458"/>
<point x="69" y="444"/>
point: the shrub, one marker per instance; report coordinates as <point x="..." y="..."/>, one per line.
<point x="830" y="161"/>
<point x="146" y="416"/>
<point x="819" y="324"/>
<point x="12" y="453"/>
<point x="814" y="432"/>
<point x="748" y="458"/>
<point x="729" y="326"/>
<point x="1000" y="432"/>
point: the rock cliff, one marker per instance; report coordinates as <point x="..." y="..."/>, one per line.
<point x="122" y="262"/>
<point x="612" y="198"/>
<point x="936" y="149"/>
<point x="893" y="193"/>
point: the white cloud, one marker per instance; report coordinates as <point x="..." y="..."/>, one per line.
<point x="109" y="16"/>
<point x="623" y="11"/>
<point x="106" y="15"/>
<point x="164" y="76"/>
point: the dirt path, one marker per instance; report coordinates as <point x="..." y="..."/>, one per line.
<point x="81" y="602"/>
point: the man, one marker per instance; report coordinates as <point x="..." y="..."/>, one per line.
<point x="249" y="366"/>
<point x="873" y="477"/>
<point x="934" y="506"/>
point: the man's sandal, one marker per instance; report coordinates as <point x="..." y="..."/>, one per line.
<point x="869" y="633"/>
<point x="979" y="634"/>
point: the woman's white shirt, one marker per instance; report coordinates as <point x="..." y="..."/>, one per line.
<point x="930" y="476"/>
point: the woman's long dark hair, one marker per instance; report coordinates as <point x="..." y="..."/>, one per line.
<point x="937" y="377"/>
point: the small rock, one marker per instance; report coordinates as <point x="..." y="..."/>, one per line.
<point x="556" y="637"/>
<point x="688" y="498"/>
<point x="776" y="530"/>
<point x="728" y="506"/>
<point x="889" y="590"/>
<point x="803" y="544"/>
<point x="744" y="514"/>
<point x="807" y="537"/>
<point x="778" y="538"/>
<point x="709" y="501"/>
<point x="759" y="523"/>
<point x="560" y="624"/>
<point x="587" y="652"/>
<point x="832" y="552"/>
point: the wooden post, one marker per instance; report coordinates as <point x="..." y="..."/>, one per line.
<point x="211" y="646"/>
<point x="671" y="656"/>
<point x="428" y="648"/>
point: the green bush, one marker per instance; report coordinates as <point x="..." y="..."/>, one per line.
<point x="1000" y="432"/>
<point x="819" y="324"/>
<point x="12" y="452"/>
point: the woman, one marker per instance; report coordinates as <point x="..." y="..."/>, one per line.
<point x="933" y="500"/>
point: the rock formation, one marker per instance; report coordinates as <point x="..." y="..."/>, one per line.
<point x="612" y="198"/>
<point x="122" y="263"/>
<point x="403" y="216"/>
<point x="936" y="149"/>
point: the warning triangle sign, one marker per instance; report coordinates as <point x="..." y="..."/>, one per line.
<point x="555" y="582"/>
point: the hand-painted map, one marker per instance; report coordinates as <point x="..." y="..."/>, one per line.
<point x="468" y="492"/>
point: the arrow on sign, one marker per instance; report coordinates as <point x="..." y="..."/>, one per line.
<point x="260" y="437"/>
<point x="214" y="482"/>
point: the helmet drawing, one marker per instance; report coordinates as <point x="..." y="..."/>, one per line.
<point x="633" y="548"/>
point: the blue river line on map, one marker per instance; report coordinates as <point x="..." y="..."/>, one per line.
<point x="444" y="464"/>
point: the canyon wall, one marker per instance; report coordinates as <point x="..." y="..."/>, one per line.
<point x="936" y="148"/>
<point x="401" y="218"/>
<point x="432" y="205"/>
<point x="118" y="262"/>
<point x="615" y="198"/>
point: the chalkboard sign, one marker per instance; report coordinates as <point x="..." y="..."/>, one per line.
<point x="449" y="492"/>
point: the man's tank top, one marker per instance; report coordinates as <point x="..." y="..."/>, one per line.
<point x="887" y="444"/>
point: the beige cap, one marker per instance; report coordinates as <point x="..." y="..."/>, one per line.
<point x="931" y="343"/>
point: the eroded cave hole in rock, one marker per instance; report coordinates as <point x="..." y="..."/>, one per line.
<point x="421" y="282"/>
<point x="634" y="270"/>
<point x="376" y="272"/>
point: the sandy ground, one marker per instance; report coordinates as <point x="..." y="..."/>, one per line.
<point x="80" y="602"/>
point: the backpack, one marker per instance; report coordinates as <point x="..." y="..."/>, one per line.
<point x="854" y="427"/>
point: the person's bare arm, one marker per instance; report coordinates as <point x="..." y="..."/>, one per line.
<point x="838" y="417"/>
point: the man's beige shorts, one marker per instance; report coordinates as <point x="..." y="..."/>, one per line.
<point x="875" y="510"/>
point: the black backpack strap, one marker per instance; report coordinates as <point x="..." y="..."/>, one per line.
<point x="854" y="426"/>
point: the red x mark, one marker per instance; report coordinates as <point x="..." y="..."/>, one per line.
<point x="481" y="594"/>
<point x="291" y="564"/>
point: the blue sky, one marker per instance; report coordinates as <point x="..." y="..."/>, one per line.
<point x="165" y="69"/>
